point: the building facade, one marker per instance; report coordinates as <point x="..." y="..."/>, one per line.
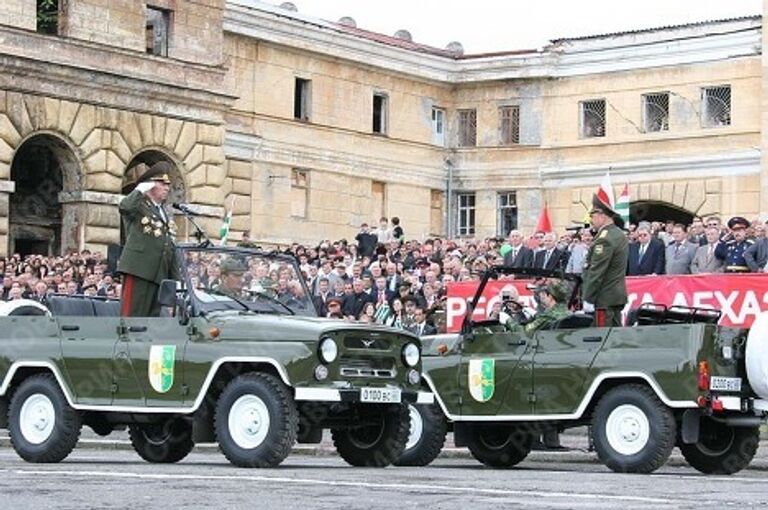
<point x="307" y="128"/>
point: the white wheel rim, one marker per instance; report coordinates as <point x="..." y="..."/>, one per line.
<point x="37" y="418"/>
<point x="627" y="429"/>
<point x="417" y="428"/>
<point x="248" y="421"/>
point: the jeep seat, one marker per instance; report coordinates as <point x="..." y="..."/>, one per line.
<point x="70" y="306"/>
<point x="106" y="307"/>
<point x="574" y="321"/>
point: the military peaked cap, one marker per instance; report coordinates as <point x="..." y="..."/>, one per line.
<point x="159" y="172"/>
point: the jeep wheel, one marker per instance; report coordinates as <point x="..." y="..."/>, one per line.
<point x="42" y="426"/>
<point x="499" y="446"/>
<point x="380" y="441"/>
<point x="162" y="443"/>
<point x="634" y="432"/>
<point x="721" y="449"/>
<point x="256" y="421"/>
<point x="426" y="436"/>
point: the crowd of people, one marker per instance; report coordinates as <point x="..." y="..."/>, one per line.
<point x="383" y="277"/>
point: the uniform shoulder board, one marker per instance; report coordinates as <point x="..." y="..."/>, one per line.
<point x="731" y="241"/>
<point x="750" y="241"/>
<point x="603" y="234"/>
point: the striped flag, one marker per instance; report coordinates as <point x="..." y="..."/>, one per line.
<point x="605" y="191"/>
<point x="224" y="230"/>
<point x="622" y="206"/>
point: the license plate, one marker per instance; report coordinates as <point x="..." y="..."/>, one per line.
<point x="380" y="395"/>
<point x="725" y="383"/>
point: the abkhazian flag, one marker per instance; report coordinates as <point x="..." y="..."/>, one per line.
<point x="622" y="206"/>
<point x="224" y="230"/>
<point x="605" y="191"/>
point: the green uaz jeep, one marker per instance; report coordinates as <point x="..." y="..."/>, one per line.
<point x="241" y="359"/>
<point x="673" y="378"/>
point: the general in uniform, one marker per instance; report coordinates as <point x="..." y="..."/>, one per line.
<point x="604" y="276"/>
<point x="731" y="252"/>
<point x="148" y="254"/>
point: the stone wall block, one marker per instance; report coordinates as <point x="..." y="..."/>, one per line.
<point x="17" y="112"/>
<point x="239" y="169"/>
<point x="195" y="158"/>
<point x="34" y="112"/>
<point x="695" y="196"/>
<point x="714" y="185"/>
<point x="66" y="117"/>
<point x="120" y="147"/>
<point x="217" y="174"/>
<point x="678" y="196"/>
<point x="6" y="152"/>
<point x="158" y="130"/>
<point x="145" y="129"/>
<point x="171" y="135"/>
<point x="654" y="192"/>
<point x="211" y="135"/>
<point x="104" y="182"/>
<point x="187" y="140"/>
<point x="114" y="164"/>
<point x="52" y="113"/>
<point x="102" y="235"/>
<point x="103" y="216"/>
<point x="92" y="144"/>
<point x="84" y="124"/>
<point x="213" y="155"/>
<point x="96" y="162"/>
<point x="129" y="129"/>
<point x="8" y="131"/>
<point x="196" y="177"/>
<point x="241" y="186"/>
<point x="5" y="173"/>
<point x="207" y="195"/>
<point x="667" y="192"/>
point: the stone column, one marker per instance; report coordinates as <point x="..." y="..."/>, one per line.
<point x="6" y="188"/>
<point x="90" y="220"/>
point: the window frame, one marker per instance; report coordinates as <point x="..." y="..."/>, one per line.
<point x="463" y="139"/>
<point x="501" y="230"/>
<point x="706" y="121"/>
<point x="302" y="99"/>
<point x="438" y="137"/>
<point x="382" y="127"/>
<point x="645" y="103"/>
<point x="582" y="118"/>
<point x="166" y="15"/>
<point x="513" y="131"/>
<point x="467" y="212"/>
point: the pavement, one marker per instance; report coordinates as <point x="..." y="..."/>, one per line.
<point x="574" y="441"/>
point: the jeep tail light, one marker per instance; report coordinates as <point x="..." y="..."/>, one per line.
<point x="703" y="376"/>
<point x="717" y="404"/>
<point x="702" y="401"/>
<point x="600" y="317"/>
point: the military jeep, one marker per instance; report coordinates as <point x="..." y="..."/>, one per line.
<point x="672" y="378"/>
<point x="240" y="358"/>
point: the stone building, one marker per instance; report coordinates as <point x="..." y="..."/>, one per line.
<point x="308" y="127"/>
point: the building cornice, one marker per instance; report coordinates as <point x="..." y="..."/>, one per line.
<point x="665" y="47"/>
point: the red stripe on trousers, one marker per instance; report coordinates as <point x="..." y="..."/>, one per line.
<point x="125" y="306"/>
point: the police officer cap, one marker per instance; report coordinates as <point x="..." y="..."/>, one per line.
<point x="232" y="265"/>
<point x="738" y="220"/>
<point x="558" y="291"/>
<point x="159" y="172"/>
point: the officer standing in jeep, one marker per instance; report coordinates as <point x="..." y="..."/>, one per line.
<point x="604" y="289"/>
<point x="148" y="255"/>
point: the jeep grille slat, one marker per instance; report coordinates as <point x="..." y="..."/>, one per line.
<point x="351" y="367"/>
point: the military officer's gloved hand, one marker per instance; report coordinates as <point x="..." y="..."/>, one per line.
<point x="587" y="307"/>
<point x="145" y="186"/>
<point x="504" y="317"/>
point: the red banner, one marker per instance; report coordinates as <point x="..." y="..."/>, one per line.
<point x="739" y="297"/>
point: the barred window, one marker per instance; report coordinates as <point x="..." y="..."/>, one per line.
<point x="48" y="16"/>
<point x="509" y="125"/>
<point x="302" y="99"/>
<point x="592" y="118"/>
<point x="507" y="210"/>
<point x="467" y="128"/>
<point x="466" y="212"/>
<point x="716" y="110"/>
<point x="656" y="112"/>
<point x="299" y="193"/>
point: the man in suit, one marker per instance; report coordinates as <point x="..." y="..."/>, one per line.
<point x="148" y="255"/>
<point x="550" y="256"/>
<point x="321" y="299"/>
<point x="646" y="256"/>
<point x="756" y="255"/>
<point x="420" y="326"/>
<point x="705" y="260"/>
<point x="680" y="252"/>
<point x="380" y="293"/>
<point x="520" y="255"/>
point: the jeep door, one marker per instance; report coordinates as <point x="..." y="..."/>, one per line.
<point x="495" y="372"/>
<point x="560" y="366"/>
<point x="152" y="354"/>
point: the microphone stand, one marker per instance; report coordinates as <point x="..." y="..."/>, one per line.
<point x="202" y="239"/>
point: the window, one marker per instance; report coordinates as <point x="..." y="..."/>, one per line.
<point x="48" y="16"/>
<point x="158" y="28"/>
<point x="299" y="193"/>
<point x="592" y="118"/>
<point x="656" y="112"/>
<point x="716" y="109"/>
<point x="466" y="210"/>
<point x="509" y="125"/>
<point x="467" y="128"/>
<point x="436" y="212"/>
<point x="438" y="126"/>
<point x="380" y="106"/>
<point x="507" y="207"/>
<point x="302" y="99"/>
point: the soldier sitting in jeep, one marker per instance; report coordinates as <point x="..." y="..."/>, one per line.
<point x="552" y="297"/>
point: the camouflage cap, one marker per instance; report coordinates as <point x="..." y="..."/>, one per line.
<point x="232" y="265"/>
<point x="558" y="290"/>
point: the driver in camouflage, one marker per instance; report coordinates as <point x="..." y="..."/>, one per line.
<point x="232" y="271"/>
<point x="553" y="297"/>
<point x="148" y="255"/>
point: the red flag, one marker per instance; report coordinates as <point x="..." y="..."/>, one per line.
<point x="544" y="224"/>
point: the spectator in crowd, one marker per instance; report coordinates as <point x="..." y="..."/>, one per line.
<point x="732" y="247"/>
<point x="579" y="249"/>
<point x="419" y="326"/>
<point x="366" y="241"/>
<point x="696" y="232"/>
<point x="550" y="256"/>
<point x="383" y="234"/>
<point x="397" y="230"/>
<point x="680" y="252"/>
<point x="646" y="256"/>
<point x="334" y="308"/>
<point x="756" y="255"/>
<point x="520" y="255"/>
<point x="321" y="299"/>
<point x="705" y="260"/>
<point x="354" y="302"/>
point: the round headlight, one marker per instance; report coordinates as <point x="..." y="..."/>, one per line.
<point x="411" y="355"/>
<point x="328" y="350"/>
<point x="321" y="372"/>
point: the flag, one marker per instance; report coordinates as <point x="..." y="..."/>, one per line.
<point x="622" y="206"/>
<point x="544" y="224"/>
<point x="605" y="191"/>
<point x="224" y="230"/>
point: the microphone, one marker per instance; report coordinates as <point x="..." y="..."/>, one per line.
<point x="185" y="209"/>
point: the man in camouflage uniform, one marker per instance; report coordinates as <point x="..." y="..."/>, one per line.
<point x="232" y="271"/>
<point x="148" y="255"/>
<point x="553" y="298"/>
<point x="604" y="284"/>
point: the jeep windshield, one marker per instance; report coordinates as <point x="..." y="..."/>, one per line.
<point x="246" y="281"/>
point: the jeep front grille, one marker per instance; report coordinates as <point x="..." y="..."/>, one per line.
<point x="367" y="368"/>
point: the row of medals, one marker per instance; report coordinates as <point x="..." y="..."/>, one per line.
<point x="158" y="225"/>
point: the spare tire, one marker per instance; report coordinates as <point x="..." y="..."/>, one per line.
<point x="19" y="307"/>
<point x="757" y="355"/>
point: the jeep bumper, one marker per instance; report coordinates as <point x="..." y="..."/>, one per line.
<point x="353" y="395"/>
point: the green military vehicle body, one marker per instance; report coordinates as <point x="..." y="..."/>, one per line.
<point x="244" y="362"/>
<point x="675" y="378"/>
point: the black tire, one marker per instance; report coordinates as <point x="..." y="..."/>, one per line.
<point x="633" y="431"/>
<point x="499" y="445"/>
<point x="378" y="444"/>
<point x="162" y="443"/>
<point x="250" y="400"/>
<point x="40" y="395"/>
<point x="426" y="435"/>
<point x="721" y="449"/>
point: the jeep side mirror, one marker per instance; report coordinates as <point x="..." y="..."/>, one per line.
<point x="166" y="296"/>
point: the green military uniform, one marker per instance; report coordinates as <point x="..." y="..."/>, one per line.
<point x="604" y="282"/>
<point x="548" y="317"/>
<point x="148" y="254"/>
